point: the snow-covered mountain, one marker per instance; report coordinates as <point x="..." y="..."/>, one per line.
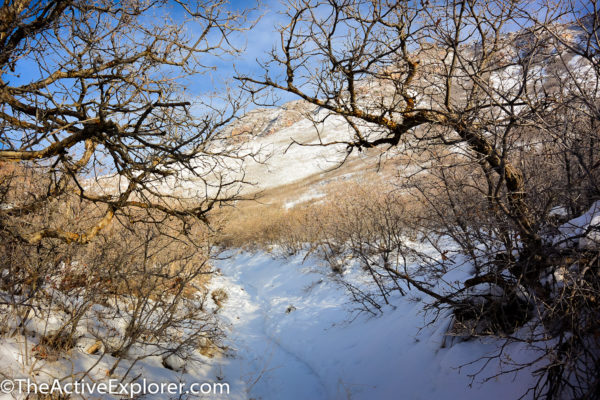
<point x="285" y="139"/>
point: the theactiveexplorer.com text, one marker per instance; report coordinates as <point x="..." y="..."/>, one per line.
<point x="112" y="387"/>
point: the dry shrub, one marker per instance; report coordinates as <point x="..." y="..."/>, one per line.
<point x="219" y="296"/>
<point x="140" y="282"/>
<point x="356" y="221"/>
<point x="349" y="209"/>
<point x="253" y="227"/>
<point x="210" y="349"/>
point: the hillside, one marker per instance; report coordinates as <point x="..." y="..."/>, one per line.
<point x="423" y="222"/>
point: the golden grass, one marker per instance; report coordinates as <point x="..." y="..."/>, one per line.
<point x="351" y="204"/>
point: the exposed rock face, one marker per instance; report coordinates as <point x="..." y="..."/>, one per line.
<point x="264" y="122"/>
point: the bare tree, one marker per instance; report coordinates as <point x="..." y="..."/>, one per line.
<point x="98" y="88"/>
<point x="103" y="145"/>
<point x="490" y="97"/>
<point x="382" y="43"/>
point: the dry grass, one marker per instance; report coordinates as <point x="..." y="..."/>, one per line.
<point x="144" y="268"/>
<point x="219" y="297"/>
<point x="343" y="208"/>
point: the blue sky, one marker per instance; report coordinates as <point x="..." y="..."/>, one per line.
<point x="256" y="43"/>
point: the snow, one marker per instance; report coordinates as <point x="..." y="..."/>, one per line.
<point x="581" y="72"/>
<point x="308" y="196"/>
<point x="583" y="230"/>
<point x="292" y="334"/>
<point x="508" y="79"/>
<point x="287" y="164"/>
<point x="269" y="159"/>
<point x="558" y="211"/>
<point x="322" y="350"/>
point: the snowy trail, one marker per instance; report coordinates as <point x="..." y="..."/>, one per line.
<point x="280" y="372"/>
<point x="265" y="309"/>
<point x="315" y="352"/>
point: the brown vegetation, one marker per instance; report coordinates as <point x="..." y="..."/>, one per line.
<point x="506" y="127"/>
<point x="94" y="246"/>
